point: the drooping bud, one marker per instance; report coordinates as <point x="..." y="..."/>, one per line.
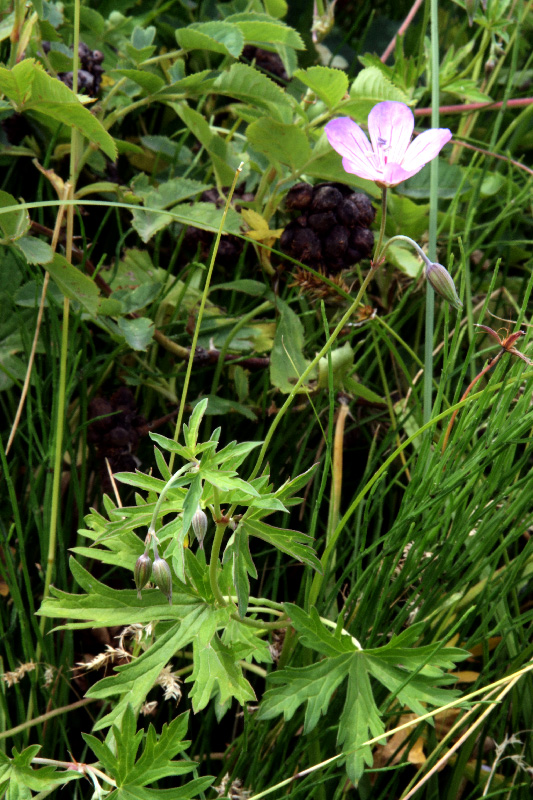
<point x="199" y="526"/>
<point x="163" y="577"/>
<point x="441" y="280"/>
<point x="142" y="573"/>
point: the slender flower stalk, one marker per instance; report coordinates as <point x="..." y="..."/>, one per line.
<point x="437" y="275"/>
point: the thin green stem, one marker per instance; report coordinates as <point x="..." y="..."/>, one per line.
<point x="433" y="209"/>
<point x="56" y="712"/>
<point x="410" y="241"/>
<point x="164" y="491"/>
<point x="260" y="625"/>
<point x="305" y="374"/>
<point x="213" y="564"/>
<point x="377" y="251"/>
<point x="201" y="312"/>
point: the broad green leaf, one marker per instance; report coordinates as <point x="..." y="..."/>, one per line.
<point x="200" y="215"/>
<point x="371" y="87"/>
<point x="170" y="192"/>
<point x="30" y="88"/>
<point x="313" y="685"/>
<point x="138" y="298"/>
<point x="266" y="32"/>
<point x="216" y="37"/>
<point x="280" y="142"/>
<point x="35" y="251"/>
<point x="341" y="366"/>
<point x="452" y="182"/>
<point x="276" y="8"/>
<point x="216" y="671"/>
<point x="250" y="86"/>
<point x="329" y="84"/>
<point x="292" y="542"/>
<point x="16" y="83"/>
<point x="360" y="390"/>
<point x="74" y="284"/>
<point x="148" y="81"/>
<point x="138" y="332"/>
<point x="29" y="295"/>
<point x="287" y="361"/>
<point x="246" y="285"/>
<point x="13" y="224"/>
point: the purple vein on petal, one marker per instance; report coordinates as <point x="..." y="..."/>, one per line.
<point x="390" y="125"/>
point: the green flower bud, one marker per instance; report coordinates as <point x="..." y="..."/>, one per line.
<point x="199" y="526"/>
<point x="163" y="577"/>
<point x="442" y="282"/>
<point x="142" y="573"/>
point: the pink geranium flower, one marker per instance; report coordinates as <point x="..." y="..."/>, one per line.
<point x="392" y="157"/>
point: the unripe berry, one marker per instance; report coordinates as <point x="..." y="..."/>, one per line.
<point x="163" y="577"/>
<point x="142" y="573"/>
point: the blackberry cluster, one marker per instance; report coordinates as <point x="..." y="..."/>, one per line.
<point x="89" y="73"/>
<point x="230" y="246"/>
<point x="331" y="233"/>
<point x="270" y="63"/>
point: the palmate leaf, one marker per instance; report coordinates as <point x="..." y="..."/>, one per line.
<point x="18" y="779"/>
<point x="216" y="672"/>
<point x="132" y="774"/>
<point x="414" y="675"/>
<point x="313" y="685"/>
<point x="315" y="635"/>
<point x="102" y="606"/>
<point x="294" y="543"/>
<point x="360" y="720"/>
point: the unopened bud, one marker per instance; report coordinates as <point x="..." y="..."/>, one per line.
<point x="163" y="577"/>
<point x="442" y="282"/>
<point x="142" y="573"/>
<point x="199" y="526"/>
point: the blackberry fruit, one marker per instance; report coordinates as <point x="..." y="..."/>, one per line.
<point x="331" y="233"/>
<point x="90" y="71"/>
<point x="270" y="63"/>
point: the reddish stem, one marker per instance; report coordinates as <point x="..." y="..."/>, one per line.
<point x="401" y="30"/>
<point x="461" y="107"/>
<point x="485" y="369"/>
